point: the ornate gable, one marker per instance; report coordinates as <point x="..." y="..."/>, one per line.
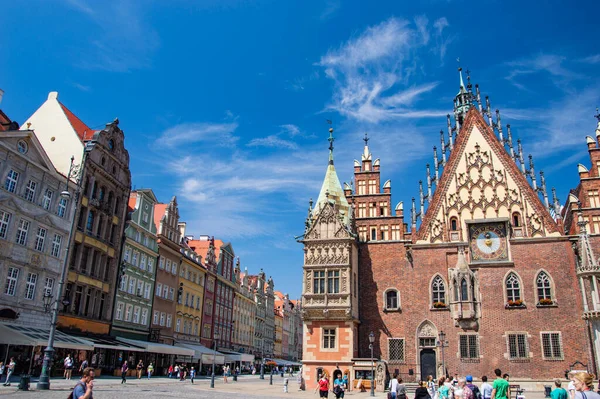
<point x="481" y="181"/>
<point x="327" y="225"/>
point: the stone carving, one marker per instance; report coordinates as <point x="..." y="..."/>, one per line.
<point x="380" y="377"/>
<point x="427" y="330"/>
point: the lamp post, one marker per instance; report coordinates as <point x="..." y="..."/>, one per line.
<point x="212" y="377"/>
<point x="74" y="170"/>
<point x="442" y="344"/>
<point x="371" y="341"/>
<point x="262" y="362"/>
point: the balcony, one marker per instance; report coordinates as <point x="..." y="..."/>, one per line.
<point x="589" y="269"/>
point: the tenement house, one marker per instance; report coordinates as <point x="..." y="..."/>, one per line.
<point x="35" y="219"/>
<point x="105" y="182"/>
<point x="484" y="244"/>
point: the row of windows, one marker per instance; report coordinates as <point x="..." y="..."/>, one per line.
<point x="189" y="300"/>
<point x="167" y="265"/>
<point x="145" y="262"/>
<point x="187" y="327"/>
<point x="91" y="261"/>
<point x="98" y="194"/>
<point x="376" y="209"/>
<point x="12" y="283"/>
<point x="162" y="319"/>
<point x="362" y="187"/>
<point x="165" y="292"/>
<point x="85" y="301"/>
<point x="191" y="276"/>
<point x="512" y="284"/>
<point x="97" y="224"/>
<point x="517" y="345"/>
<point x="141" y="289"/>
<point x="133" y="314"/>
<point x="21" y="236"/>
<point x="11" y="182"/>
<point x="332" y="280"/>
<point x="383" y="233"/>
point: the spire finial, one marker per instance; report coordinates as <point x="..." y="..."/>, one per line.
<point x="331" y="140"/>
<point x="366" y="139"/>
<point x="597" y="116"/>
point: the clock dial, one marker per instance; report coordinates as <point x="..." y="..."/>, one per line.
<point x="488" y="242"/>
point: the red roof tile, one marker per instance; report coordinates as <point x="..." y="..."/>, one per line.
<point x="83" y="131"/>
<point x="132" y="201"/>
<point x="159" y="212"/>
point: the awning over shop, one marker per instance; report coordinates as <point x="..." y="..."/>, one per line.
<point x="111" y="343"/>
<point x="15" y="334"/>
<point x="203" y="353"/>
<point x="231" y="356"/>
<point x="283" y="362"/>
<point x="154" y="347"/>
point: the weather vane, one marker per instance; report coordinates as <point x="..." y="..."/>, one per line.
<point x="366" y="139"/>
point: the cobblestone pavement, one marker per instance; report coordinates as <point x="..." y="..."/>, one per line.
<point x="250" y="387"/>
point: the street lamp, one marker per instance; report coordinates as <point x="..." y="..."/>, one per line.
<point x="262" y="362"/>
<point x="74" y="171"/>
<point x="212" y="377"/>
<point x="371" y="341"/>
<point x="442" y="344"/>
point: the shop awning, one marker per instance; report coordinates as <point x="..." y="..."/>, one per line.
<point x="111" y="343"/>
<point x="231" y="356"/>
<point x="203" y="353"/>
<point x="283" y="362"/>
<point x="154" y="347"/>
<point x="15" y="334"/>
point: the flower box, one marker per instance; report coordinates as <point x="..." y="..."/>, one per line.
<point x="546" y="302"/>
<point x="439" y="305"/>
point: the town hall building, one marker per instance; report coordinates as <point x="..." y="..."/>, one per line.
<point x="486" y="271"/>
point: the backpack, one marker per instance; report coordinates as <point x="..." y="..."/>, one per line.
<point x="71" y="396"/>
<point x="476" y="392"/>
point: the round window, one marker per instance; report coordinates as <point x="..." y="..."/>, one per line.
<point x="22" y="147"/>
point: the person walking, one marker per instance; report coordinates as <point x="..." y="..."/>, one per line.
<point x="422" y="392"/>
<point x="401" y="390"/>
<point x="192" y="374"/>
<point x="584" y="386"/>
<point x="124" y="369"/>
<point x="486" y="388"/>
<point x="85" y="386"/>
<point x="393" y="386"/>
<point x="139" y="369"/>
<point x="474" y="389"/>
<point x="338" y="387"/>
<point x="500" y="389"/>
<point x="323" y="386"/>
<point x="286" y="382"/>
<point x="558" y="392"/>
<point x="83" y="365"/>
<point x="571" y="386"/>
<point x="10" y="371"/>
<point x="150" y="370"/>
<point x="430" y="386"/>
<point x="170" y="371"/>
<point x="225" y="372"/>
<point x="443" y="389"/>
<point x="68" y="364"/>
<point x="1" y="370"/>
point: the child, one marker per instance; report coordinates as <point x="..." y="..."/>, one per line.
<point x="150" y="369"/>
<point x="192" y="374"/>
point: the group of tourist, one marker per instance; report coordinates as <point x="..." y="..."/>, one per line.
<point x="340" y="385"/>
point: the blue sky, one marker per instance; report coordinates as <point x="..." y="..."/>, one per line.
<point x="224" y="103"/>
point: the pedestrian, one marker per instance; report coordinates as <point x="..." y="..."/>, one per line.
<point x="83" y="365"/>
<point x="176" y="370"/>
<point x="558" y="392"/>
<point x="140" y="369"/>
<point x="150" y="370"/>
<point x="476" y="392"/>
<point x="584" y="386"/>
<point x="225" y="368"/>
<point x="422" y="392"/>
<point x="170" y="371"/>
<point x="85" y="386"/>
<point x="10" y="371"/>
<point x="430" y="386"/>
<point x="323" y="386"/>
<point x="486" y="388"/>
<point x="401" y="390"/>
<point x="571" y="386"/>
<point x="393" y="387"/>
<point x="68" y="364"/>
<point x="338" y="387"/>
<point x="124" y="369"/>
<point x="286" y="381"/>
<point x="1" y="370"/>
<point x="500" y="389"/>
<point x="345" y="382"/>
<point x="443" y="389"/>
<point x="184" y="371"/>
<point x="463" y="391"/>
<point x="192" y="374"/>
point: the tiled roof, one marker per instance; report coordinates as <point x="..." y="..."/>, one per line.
<point x="201" y="247"/>
<point x="4" y="121"/>
<point x="83" y="131"/>
<point x="159" y="212"/>
<point x="132" y="201"/>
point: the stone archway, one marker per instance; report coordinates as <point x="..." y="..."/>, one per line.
<point x="426" y="338"/>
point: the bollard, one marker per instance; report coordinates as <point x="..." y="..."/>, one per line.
<point x="271" y="379"/>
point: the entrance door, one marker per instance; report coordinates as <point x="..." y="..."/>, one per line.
<point x="427" y="363"/>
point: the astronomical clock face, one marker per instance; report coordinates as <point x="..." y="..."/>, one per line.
<point x="488" y="242"/>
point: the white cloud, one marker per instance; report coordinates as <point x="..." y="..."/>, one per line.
<point x="272" y="141"/>
<point x="218" y="134"/>
<point x="550" y="64"/>
<point x="592" y="59"/>
<point x="371" y="71"/>
<point x="442" y="41"/>
<point x="331" y="7"/>
<point x="291" y="130"/>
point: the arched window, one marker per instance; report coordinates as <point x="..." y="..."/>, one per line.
<point x="391" y="300"/>
<point x="513" y="287"/>
<point x="438" y="291"/>
<point x="453" y="224"/>
<point x="94" y="190"/>
<point x="464" y="290"/>
<point x="455" y="290"/>
<point x="544" y="290"/>
<point x="90" y="221"/>
<point x="101" y="195"/>
<point x="516" y="219"/>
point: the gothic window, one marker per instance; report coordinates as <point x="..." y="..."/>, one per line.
<point x="464" y="290"/>
<point x="395" y="232"/>
<point x="513" y="288"/>
<point x="453" y="224"/>
<point x="455" y="291"/>
<point x="372" y="209"/>
<point x="516" y="219"/>
<point x="384" y="233"/>
<point x="373" y="233"/>
<point x="333" y="282"/>
<point x="544" y="288"/>
<point x="392" y="300"/>
<point x="438" y="291"/>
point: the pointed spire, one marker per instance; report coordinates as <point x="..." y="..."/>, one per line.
<point x="413" y="214"/>
<point x="421" y="198"/>
<point x="478" y="96"/>
<point x="461" y="89"/>
<point x="443" y="143"/>
<point x="488" y="110"/>
<point x="499" y="126"/>
<point x="428" y="181"/>
<point x="366" y="156"/>
<point x="532" y="173"/>
<point x="555" y="202"/>
<point x="435" y="164"/>
<point x="510" y="143"/>
<point x="450" y="130"/>
<point x="520" y="156"/>
<point x="544" y="192"/>
<point x="331" y="140"/>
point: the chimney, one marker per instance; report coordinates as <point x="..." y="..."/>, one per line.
<point x="181" y="227"/>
